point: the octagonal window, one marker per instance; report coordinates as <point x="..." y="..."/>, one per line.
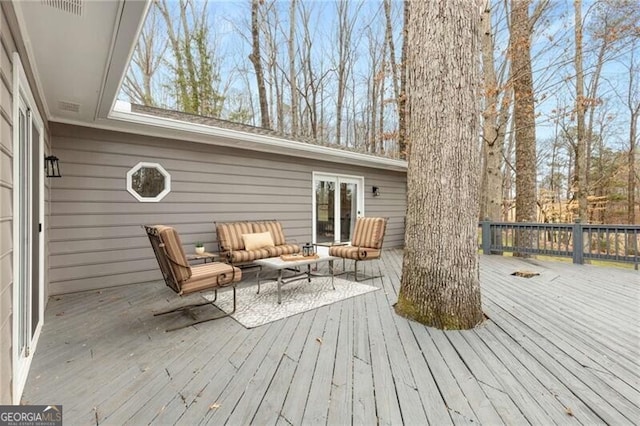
<point x="148" y="182"/>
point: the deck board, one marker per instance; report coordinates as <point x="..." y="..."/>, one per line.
<point x="562" y="347"/>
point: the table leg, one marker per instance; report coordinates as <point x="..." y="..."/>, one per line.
<point x="332" y="273"/>
<point x="309" y="273"/>
<point x="279" y="284"/>
<point x="258" y="278"/>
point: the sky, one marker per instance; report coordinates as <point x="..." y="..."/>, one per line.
<point x="552" y="52"/>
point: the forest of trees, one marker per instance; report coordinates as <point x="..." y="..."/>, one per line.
<point x="561" y="93"/>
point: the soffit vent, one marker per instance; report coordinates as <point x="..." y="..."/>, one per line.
<point x="70" y="6"/>
<point x="68" y="106"/>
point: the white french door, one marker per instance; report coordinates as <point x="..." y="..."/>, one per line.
<point x="28" y="220"/>
<point x="337" y="201"/>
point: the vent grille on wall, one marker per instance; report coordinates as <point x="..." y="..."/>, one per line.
<point x="69" y="106"/>
<point x="70" y="6"/>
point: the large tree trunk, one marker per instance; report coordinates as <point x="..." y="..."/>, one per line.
<point x="256" y="60"/>
<point x="524" y="119"/>
<point x="440" y="285"/>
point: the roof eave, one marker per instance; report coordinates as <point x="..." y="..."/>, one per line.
<point x="158" y="126"/>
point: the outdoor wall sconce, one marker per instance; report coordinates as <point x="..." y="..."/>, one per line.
<point x="376" y="191"/>
<point x="52" y="167"/>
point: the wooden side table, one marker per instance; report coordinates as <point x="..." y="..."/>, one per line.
<point x="206" y="256"/>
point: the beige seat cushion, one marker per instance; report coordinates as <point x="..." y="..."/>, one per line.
<point x="211" y="275"/>
<point x="283" y="249"/>
<point x="242" y="256"/>
<point x="355" y="253"/>
<point x="257" y="241"/>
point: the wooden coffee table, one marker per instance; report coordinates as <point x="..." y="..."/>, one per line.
<point x="277" y="264"/>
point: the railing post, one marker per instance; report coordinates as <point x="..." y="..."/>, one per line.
<point x="578" y="243"/>
<point x="486" y="236"/>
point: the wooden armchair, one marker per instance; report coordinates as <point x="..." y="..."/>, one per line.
<point x="185" y="279"/>
<point x="366" y="244"/>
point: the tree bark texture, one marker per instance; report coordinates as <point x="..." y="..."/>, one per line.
<point x="524" y="120"/>
<point x="440" y="285"/>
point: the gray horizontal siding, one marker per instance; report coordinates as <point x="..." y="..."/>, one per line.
<point x="95" y="238"/>
<point x="6" y="202"/>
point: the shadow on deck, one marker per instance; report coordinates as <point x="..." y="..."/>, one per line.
<point x="561" y="347"/>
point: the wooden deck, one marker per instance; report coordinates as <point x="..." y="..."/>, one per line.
<point x="562" y="347"/>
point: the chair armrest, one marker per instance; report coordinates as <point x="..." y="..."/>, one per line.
<point x="361" y="252"/>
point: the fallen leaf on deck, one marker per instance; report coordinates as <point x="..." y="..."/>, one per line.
<point x="214" y="406"/>
<point x="525" y="274"/>
<point x="569" y="412"/>
<point x="319" y="340"/>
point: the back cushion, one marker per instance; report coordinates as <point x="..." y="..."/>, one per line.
<point x="173" y="247"/>
<point x="272" y="226"/>
<point x="230" y="235"/>
<point x="369" y="232"/>
<point x="257" y="240"/>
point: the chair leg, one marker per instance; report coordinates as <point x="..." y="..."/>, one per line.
<point x="200" y="321"/>
<point x="364" y="277"/>
<point x="183" y="308"/>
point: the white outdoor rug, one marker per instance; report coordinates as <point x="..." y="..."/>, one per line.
<point x="253" y="309"/>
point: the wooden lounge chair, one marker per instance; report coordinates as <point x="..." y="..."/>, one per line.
<point x="185" y="279"/>
<point x="366" y="244"/>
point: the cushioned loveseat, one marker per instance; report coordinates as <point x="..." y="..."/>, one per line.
<point x="246" y="241"/>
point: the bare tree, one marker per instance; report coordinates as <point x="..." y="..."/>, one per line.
<point x="344" y="61"/>
<point x="195" y="78"/>
<point x="580" y="182"/>
<point x="495" y="118"/>
<point x="293" y="76"/>
<point x="523" y="115"/>
<point x="146" y="59"/>
<point x="440" y="285"/>
<point x="633" y="106"/>
<point x="256" y="59"/>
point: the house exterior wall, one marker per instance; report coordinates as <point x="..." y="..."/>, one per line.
<point x="96" y="239"/>
<point x="10" y="42"/>
<point x="7" y="46"/>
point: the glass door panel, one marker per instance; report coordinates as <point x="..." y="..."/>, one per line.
<point x="338" y="201"/>
<point x="34" y="282"/>
<point x="24" y="204"/>
<point x="28" y="238"/>
<point x="348" y="209"/>
<point x="325" y="191"/>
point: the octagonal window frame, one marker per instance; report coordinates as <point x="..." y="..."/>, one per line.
<point x="157" y="166"/>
